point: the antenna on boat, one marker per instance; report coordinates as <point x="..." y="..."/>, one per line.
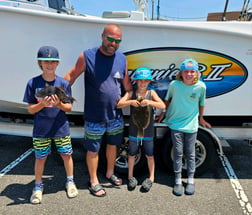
<point x="224" y="13"/>
<point x="245" y="15"/>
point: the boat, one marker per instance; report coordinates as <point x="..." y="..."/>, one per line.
<point x="223" y="50"/>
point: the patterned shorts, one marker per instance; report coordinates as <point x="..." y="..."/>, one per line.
<point x="42" y="146"/>
<point x="94" y="133"/>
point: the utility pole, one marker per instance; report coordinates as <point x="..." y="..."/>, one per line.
<point x="158" y="10"/>
<point x="152" y="10"/>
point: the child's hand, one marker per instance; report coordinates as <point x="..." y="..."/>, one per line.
<point x="144" y="103"/>
<point x="204" y="123"/>
<point x="47" y="101"/>
<point x="135" y="103"/>
<point x="160" y="117"/>
<point x="55" y="101"/>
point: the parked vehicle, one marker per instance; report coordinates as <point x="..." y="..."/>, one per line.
<point x="223" y="50"/>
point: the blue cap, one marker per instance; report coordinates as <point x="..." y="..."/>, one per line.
<point x="48" y="53"/>
<point x="143" y="73"/>
<point x="192" y="65"/>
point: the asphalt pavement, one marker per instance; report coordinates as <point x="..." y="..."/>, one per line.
<point x="225" y="189"/>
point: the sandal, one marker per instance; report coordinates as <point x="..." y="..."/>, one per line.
<point x="115" y="180"/>
<point x="94" y="190"/>
<point x="132" y="183"/>
<point x="36" y="197"/>
<point x="146" y="185"/>
<point x="71" y="190"/>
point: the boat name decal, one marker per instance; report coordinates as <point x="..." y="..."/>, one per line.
<point x="220" y="72"/>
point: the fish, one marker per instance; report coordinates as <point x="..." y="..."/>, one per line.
<point x="141" y="117"/>
<point x="50" y="90"/>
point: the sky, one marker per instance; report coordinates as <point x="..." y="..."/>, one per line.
<point x="180" y="10"/>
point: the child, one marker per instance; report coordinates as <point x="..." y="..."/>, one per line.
<point x="185" y="101"/>
<point x="149" y="99"/>
<point x="50" y="121"/>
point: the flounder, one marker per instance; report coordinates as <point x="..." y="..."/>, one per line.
<point x="141" y="117"/>
<point x="50" y="90"/>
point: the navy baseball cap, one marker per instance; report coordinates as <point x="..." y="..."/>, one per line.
<point x="48" y="53"/>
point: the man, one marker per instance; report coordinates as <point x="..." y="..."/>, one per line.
<point x="105" y="72"/>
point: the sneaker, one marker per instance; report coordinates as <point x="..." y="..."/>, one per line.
<point x="177" y="189"/>
<point x="36" y="197"/>
<point x="190" y="189"/>
<point x="71" y="190"/>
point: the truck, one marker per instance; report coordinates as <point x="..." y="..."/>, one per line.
<point x="222" y="49"/>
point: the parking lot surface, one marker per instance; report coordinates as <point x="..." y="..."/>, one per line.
<point x="225" y="189"/>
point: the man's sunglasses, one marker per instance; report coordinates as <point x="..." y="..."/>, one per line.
<point x="111" y="39"/>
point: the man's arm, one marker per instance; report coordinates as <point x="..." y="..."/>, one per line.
<point x="126" y="81"/>
<point x="77" y="69"/>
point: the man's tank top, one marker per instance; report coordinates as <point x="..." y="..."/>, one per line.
<point x="103" y="85"/>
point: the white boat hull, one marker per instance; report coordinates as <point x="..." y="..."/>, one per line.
<point x="225" y="46"/>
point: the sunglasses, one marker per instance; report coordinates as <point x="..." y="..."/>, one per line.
<point x="111" y="39"/>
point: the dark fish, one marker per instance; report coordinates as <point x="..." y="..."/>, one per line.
<point x="141" y="118"/>
<point x="50" y="90"/>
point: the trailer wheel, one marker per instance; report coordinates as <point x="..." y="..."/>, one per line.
<point x="121" y="164"/>
<point x="205" y="150"/>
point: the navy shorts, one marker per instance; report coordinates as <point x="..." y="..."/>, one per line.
<point x="146" y="142"/>
<point x="94" y="132"/>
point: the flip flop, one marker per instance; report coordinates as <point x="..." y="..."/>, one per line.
<point x="115" y="180"/>
<point x="95" y="189"/>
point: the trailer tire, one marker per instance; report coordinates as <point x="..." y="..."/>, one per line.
<point x="205" y="150"/>
<point x="121" y="163"/>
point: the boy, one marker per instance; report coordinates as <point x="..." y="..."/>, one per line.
<point x="50" y="121"/>
<point x="141" y="130"/>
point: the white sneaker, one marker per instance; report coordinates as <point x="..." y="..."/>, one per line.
<point x="71" y="190"/>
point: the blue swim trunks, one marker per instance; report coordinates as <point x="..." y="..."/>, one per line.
<point x="42" y="146"/>
<point x="113" y="131"/>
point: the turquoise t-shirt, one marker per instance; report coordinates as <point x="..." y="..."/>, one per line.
<point x="183" y="110"/>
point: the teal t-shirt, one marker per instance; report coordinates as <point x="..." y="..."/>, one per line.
<point x="183" y="110"/>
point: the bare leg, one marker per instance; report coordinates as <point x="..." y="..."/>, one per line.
<point x="151" y="166"/>
<point x="92" y="159"/>
<point x="111" y="151"/>
<point x="131" y="163"/>
<point x="68" y="164"/>
<point x="39" y="169"/>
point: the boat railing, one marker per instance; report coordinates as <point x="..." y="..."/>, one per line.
<point x="59" y="6"/>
